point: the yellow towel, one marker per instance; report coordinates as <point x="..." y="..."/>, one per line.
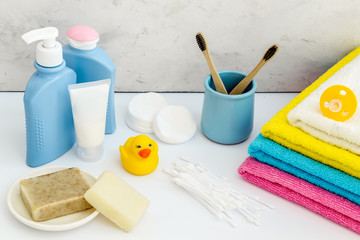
<point x="280" y="131"/>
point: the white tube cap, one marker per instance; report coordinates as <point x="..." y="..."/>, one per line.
<point x="90" y="154"/>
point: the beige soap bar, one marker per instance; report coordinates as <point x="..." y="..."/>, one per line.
<point x="116" y="200"/>
<point x="55" y="194"/>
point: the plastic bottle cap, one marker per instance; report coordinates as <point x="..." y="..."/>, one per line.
<point x="82" y="37"/>
<point x="338" y="102"/>
<point x="48" y="51"/>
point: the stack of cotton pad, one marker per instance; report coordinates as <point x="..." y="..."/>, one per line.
<point x="150" y="113"/>
<point x="142" y="109"/>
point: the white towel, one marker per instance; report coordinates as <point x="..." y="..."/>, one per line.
<point x="308" y="117"/>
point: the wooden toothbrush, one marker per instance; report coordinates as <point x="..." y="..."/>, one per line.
<point x="239" y="89"/>
<point x="219" y="85"/>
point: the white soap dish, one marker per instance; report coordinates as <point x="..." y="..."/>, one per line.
<point x="18" y="209"/>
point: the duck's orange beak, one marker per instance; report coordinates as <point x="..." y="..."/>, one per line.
<point x="145" y="153"/>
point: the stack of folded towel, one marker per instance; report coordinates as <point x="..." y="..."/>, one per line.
<point x="309" y="159"/>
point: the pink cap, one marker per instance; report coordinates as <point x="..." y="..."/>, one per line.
<point x="82" y="34"/>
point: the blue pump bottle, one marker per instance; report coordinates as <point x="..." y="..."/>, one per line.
<point x="91" y="63"/>
<point x="49" y="123"/>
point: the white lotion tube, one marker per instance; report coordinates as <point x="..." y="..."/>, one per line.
<point x="89" y="104"/>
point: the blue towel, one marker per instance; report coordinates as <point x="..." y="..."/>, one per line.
<point x="331" y="179"/>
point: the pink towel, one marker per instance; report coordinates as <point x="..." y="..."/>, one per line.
<point x="325" y="203"/>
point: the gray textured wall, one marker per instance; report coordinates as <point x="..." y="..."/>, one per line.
<point x="153" y="42"/>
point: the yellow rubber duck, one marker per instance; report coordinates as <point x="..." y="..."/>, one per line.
<point x="139" y="155"/>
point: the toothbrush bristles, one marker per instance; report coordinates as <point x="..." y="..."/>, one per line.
<point x="201" y="41"/>
<point x="270" y="52"/>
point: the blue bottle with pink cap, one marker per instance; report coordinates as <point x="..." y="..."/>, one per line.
<point x="91" y="63"/>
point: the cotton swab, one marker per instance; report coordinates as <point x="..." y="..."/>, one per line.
<point x="215" y="192"/>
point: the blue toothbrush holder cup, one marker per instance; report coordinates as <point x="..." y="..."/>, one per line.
<point x="228" y="119"/>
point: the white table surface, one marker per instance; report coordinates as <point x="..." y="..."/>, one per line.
<point x="173" y="214"/>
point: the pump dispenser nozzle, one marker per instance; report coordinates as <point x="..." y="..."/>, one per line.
<point x="48" y="51"/>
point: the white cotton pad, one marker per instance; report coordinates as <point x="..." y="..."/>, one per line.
<point x="174" y="124"/>
<point x="142" y="109"/>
